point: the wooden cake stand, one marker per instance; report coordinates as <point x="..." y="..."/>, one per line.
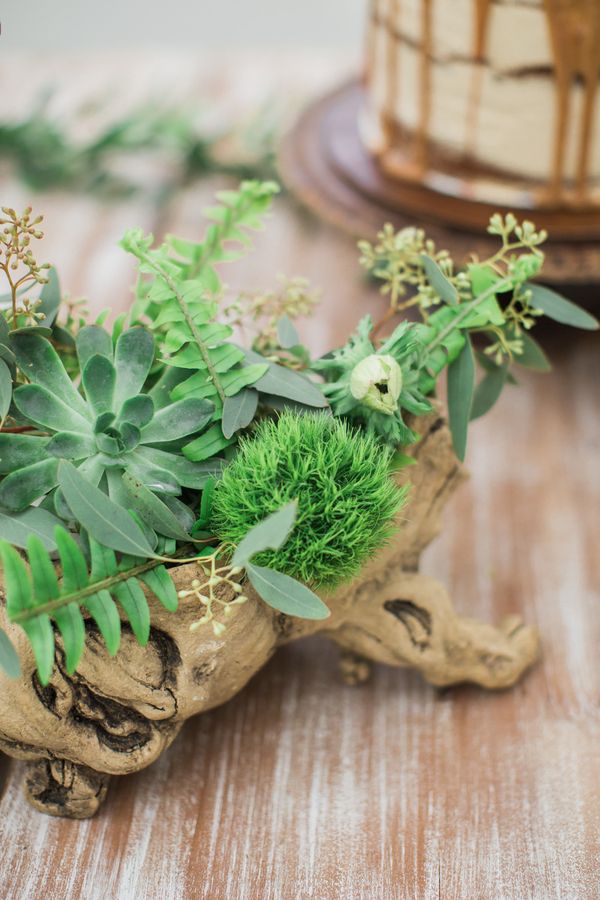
<point x="325" y="164"/>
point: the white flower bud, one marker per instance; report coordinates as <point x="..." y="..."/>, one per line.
<point x="377" y="382"/>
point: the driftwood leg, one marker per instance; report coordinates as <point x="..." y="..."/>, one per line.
<point x="354" y="669"/>
<point x="62" y="788"/>
<point x="409" y="621"/>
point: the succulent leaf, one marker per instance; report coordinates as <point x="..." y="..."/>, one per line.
<point x="40" y="362"/>
<point x="99" y="378"/>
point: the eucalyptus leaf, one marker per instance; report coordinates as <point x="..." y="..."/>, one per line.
<point x="285" y="593"/>
<point x="107" y="522"/>
<point x="286" y="333"/>
<point x="50" y="297"/>
<point x="188" y="474"/>
<point x="488" y="390"/>
<point x="461" y="383"/>
<point x="286" y="383"/>
<point x="559" y="308"/>
<point x="270" y="534"/>
<point x="532" y="357"/>
<point x="152" y="510"/>
<point x="238" y="411"/>
<point x="438" y="281"/>
<point x="17" y="527"/>
<point x="153" y="477"/>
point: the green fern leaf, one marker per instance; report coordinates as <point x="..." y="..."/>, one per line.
<point x="74" y="568"/>
<point x="104" y="561"/>
<point x="161" y="584"/>
<point x="105" y="614"/>
<point x="43" y="573"/>
<point x="132" y="599"/>
<point x="19" y="598"/>
<point x="35" y="598"/>
<point x="72" y="628"/>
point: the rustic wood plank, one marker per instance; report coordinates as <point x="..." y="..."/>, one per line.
<point x="304" y="787"/>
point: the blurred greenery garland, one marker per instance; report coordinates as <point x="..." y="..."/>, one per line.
<point x="45" y="156"/>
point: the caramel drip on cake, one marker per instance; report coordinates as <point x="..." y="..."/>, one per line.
<point x="370" y="43"/>
<point x="391" y="70"/>
<point x="575" y="36"/>
<point x="482" y="18"/>
<point x="422" y="136"/>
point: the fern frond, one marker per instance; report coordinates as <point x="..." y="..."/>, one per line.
<point x="180" y="302"/>
<point x="35" y="598"/>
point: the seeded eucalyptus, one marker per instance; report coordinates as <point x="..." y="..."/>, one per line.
<point x="483" y="311"/>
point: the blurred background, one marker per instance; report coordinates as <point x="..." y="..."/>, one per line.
<point x="135" y="113"/>
<point x="215" y="25"/>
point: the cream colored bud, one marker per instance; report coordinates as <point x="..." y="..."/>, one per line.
<point x="377" y="382"/>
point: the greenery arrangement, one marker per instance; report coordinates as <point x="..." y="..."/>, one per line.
<point x="46" y="157"/>
<point x="130" y="450"/>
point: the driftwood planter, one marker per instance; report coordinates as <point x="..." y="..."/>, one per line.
<point x="115" y="716"/>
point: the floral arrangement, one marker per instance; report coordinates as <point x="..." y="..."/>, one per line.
<point x="127" y="450"/>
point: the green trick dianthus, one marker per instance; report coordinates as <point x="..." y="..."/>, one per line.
<point x="341" y="478"/>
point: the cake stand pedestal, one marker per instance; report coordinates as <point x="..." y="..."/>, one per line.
<point x="325" y="164"/>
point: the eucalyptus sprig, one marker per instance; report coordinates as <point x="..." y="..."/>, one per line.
<point x="493" y="301"/>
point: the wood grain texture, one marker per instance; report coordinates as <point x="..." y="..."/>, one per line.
<point x="304" y="787"/>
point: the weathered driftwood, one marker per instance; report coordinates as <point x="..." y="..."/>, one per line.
<point x="115" y="716"/>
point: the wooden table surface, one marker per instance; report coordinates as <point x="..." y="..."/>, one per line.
<point x="304" y="787"/>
